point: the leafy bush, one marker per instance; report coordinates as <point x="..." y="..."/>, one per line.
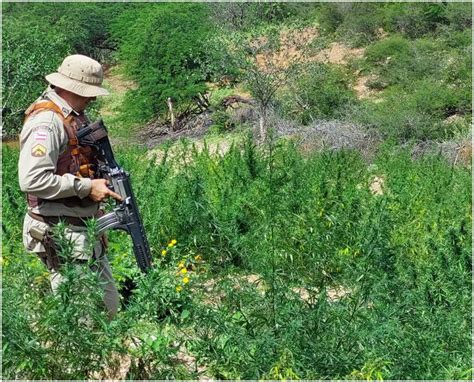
<point x="36" y="38"/>
<point x="459" y="15"/>
<point x="396" y="47"/>
<point x="415" y="112"/>
<point x="321" y="91"/>
<point x="414" y="20"/>
<point x="400" y="61"/>
<point x="387" y="272"/>
<point x="221" y="122"/>
<point x="242" y="16"/>
<point x="330" y="16"/>
<point x="425" y="81"/>
<point x="163" y="47"/>
<point x="417" y="20"/>
<point x="30" y="53"/>
<point x="361" y="23"/>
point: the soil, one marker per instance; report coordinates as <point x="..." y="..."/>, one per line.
<point x="292" y="49"/>
<point x="338" y="54"/>
<point x="14" y="144"/>
<point x="361" y="88"/>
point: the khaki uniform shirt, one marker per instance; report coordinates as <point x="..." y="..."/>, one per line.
<point x="42" y="139"/>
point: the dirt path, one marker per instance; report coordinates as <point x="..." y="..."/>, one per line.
<point x="117" y="85"/>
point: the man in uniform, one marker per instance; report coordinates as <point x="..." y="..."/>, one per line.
<point x="59" y="176"/>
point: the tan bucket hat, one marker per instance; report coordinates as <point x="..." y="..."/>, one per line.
<point x="80" y="75"/>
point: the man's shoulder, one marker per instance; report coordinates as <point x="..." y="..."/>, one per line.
<point x="44" y="124"/>
<point x="44" y="119"/>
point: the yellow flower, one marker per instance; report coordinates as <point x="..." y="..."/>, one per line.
<point x="184" y="271"/>
<point x="163" y="252"/>
<point x="173" y="242"/>
<point x="179" y="288"/>
<point x="198" y="258"/>
<point x="185" y="280"/>
<point x="181" y="264"/>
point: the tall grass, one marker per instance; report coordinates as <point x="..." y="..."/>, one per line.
<point x="296" y="269"/>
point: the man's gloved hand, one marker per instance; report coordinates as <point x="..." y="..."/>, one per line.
<point x="100" y="191"/>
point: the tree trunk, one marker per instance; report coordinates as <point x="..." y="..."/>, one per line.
<point x="263" y="126"/>
<point x="170" y="107"/>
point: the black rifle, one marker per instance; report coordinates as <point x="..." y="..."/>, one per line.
<point x="125" y="216"/>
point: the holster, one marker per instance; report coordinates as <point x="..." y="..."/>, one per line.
<point x="50" y="257"/>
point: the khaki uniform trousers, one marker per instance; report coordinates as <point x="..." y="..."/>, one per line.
<point x="78" y="236"/>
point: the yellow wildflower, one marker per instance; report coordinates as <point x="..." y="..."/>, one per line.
<point x="163" y="252"/>
<point x="179" y="288"/>
<point x="198" y="258"/>
<point x="185" y="280"/>
<point x="184" y="271"/>
<point x="181" y="264"/>
<point x="173" y="242"/>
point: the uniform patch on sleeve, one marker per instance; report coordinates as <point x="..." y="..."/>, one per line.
<point x="41" y="135"/>
<point x="38" y="150"/>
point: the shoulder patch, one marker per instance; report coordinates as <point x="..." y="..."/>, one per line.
<point x="41" y="135"/>
<point x="38" y="150"/>
<point x="42" y="128"/>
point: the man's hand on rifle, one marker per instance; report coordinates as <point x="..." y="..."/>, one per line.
<point x="100" y="191"/>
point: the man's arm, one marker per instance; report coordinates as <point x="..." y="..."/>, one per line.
<point x="42" y="140"/>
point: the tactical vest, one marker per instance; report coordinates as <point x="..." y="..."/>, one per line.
<point x="77" y="160"/>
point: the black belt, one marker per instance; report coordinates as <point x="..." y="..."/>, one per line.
<point x="51" y="220"/>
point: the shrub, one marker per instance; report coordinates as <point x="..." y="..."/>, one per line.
<point x="361" y="23"/>
<point x="415" y="112"/>
<point x="163" y="48"/>
<point x="459" y="15"/>
<point x="221" y="122"/>
<point x="396" y="47"/>
<point x="330" y="16"/>
<point x="399" y="61"/>
<point x="414" y="20"/>
<point x="31" y="52"/>
<point x="245" y="16"/>
<point x="36" y="38"/>
<point x="321" y="91"/>
<point x="304" y="228"/>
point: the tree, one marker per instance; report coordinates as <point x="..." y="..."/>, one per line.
<point x="266" y="63"/>
<point x="164" y="49"/>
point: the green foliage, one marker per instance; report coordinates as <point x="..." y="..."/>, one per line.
<point x="245" y="16"/>
<point x="36" y="38"/>
<point x="424" y="81"/>
<point x="163" y="47"/>
<point x="30" y="53"/>
<point x="221" y="122"/>
<point x="400" y="61"/>
<point x="417" y="20"/>
<point x="414" y="113"/>
<point x="361" y="23"/>
<point x="389" y="273"/>
<point x="459" y="15"/>
<point x="396" y="47"/>
<point x="287" y="266"/>
<point x="358" y="23"/>
<point x="330" y="16"/>
<point x="322" y="91"/>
